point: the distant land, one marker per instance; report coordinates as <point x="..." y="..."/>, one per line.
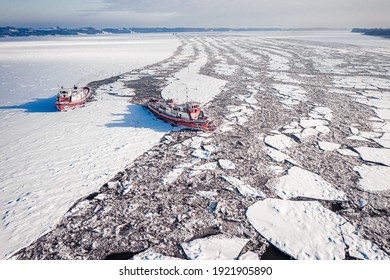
<point x="373" y="31"/>
<point x="26" y="31"/>
<point x="9" y="31"/>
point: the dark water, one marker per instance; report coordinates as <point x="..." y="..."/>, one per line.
<point x="121" y="256"/>
<point x="273" y="253"/>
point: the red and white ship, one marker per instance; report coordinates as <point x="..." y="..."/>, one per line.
<point x="72" y="98"/>
<point x="187" y="114"/>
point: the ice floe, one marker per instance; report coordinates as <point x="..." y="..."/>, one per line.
<point x="302" y="183"/>
<point x="374" y="178"/>
<point x="226" y="164"/>
<point x="276" y="155"/>
<point x="377" y="155"/>
<point x="279" y="142"/>
<point x="305" y="123"/>
<point x="189" y="84"/>
<point x="328" y="146"/>
<point x="307" y="230"/>
<point x="242" y="188"/>
<point x="201" y="154"/>
<point x="214" y="248"/>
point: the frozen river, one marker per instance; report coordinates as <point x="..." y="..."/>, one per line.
<point x="51" y="159"/>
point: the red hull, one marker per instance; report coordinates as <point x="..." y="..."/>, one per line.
<point x="196" y="124"/>
<point x="64" y="105"/>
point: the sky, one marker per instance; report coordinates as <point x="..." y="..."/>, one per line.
<point x="196" y="13"/>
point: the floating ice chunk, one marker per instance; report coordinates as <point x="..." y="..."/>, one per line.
<point x="226" y="164"/>
<point x="214" y="248"/>
<point x="312" y="123"/>
<point x="249" y="256"/>
<point x="242" y="188"/>
<point x="276" y="155"/>
<point x="292" y="131"/>
<point x="347" y="152"/>
<point x="196" y="142"/>
<point x="322" y="129"/>
<point x="150" y="254"/>
<point x="187" y="142"/>
<point x="206" y="166"/>
<point x="207" y="193"/>
<point x="201" y="154"/>
<point x="279" y="142"/>
<point x="328" y="146"/>
<point x="377" y="155"/>
<point x="354" y="130"/>
<point x="307" y="230"/>
<point x="210" y="148"/>
<point x="308" y="133"/>
<point x="172" y="176"/>
<point x="248" y="99"/>
<point x="167" y="139"/>
<point x="274" y="131"/>
<point x="302" y="183"/>
<point x="324" y="112"/>
<point x="374" y="178"/>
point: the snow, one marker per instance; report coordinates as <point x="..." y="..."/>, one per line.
<point x="279" y="142"/>
<point x="49" y="158"/>
<point x="226" y="164"/>
<point x="374" y="178"/>
<point x="328" y="146"/>
<point x="242" y="188"/>
<point x="217" y="247"/>
<point x="377" y="155"/>
<point x="305" y="184"/>
<point x="189" y="85"/>
<point x="307" y="230"/>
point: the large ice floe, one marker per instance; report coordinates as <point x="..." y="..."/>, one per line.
<point x="307" y="230"/>
<point x="377" y="155"/>
<point x="374" y="178"/>
<point x="190" y="85"/>
<point x="305" y="184"/>
<point x="217" y="247"/>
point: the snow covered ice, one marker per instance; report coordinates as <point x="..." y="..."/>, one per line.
<point x="306" y="230"/>
<point x="50" y="159"/>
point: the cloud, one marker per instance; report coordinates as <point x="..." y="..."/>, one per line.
<point x="198" y="13"/>
<point x="256" y="13"/>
